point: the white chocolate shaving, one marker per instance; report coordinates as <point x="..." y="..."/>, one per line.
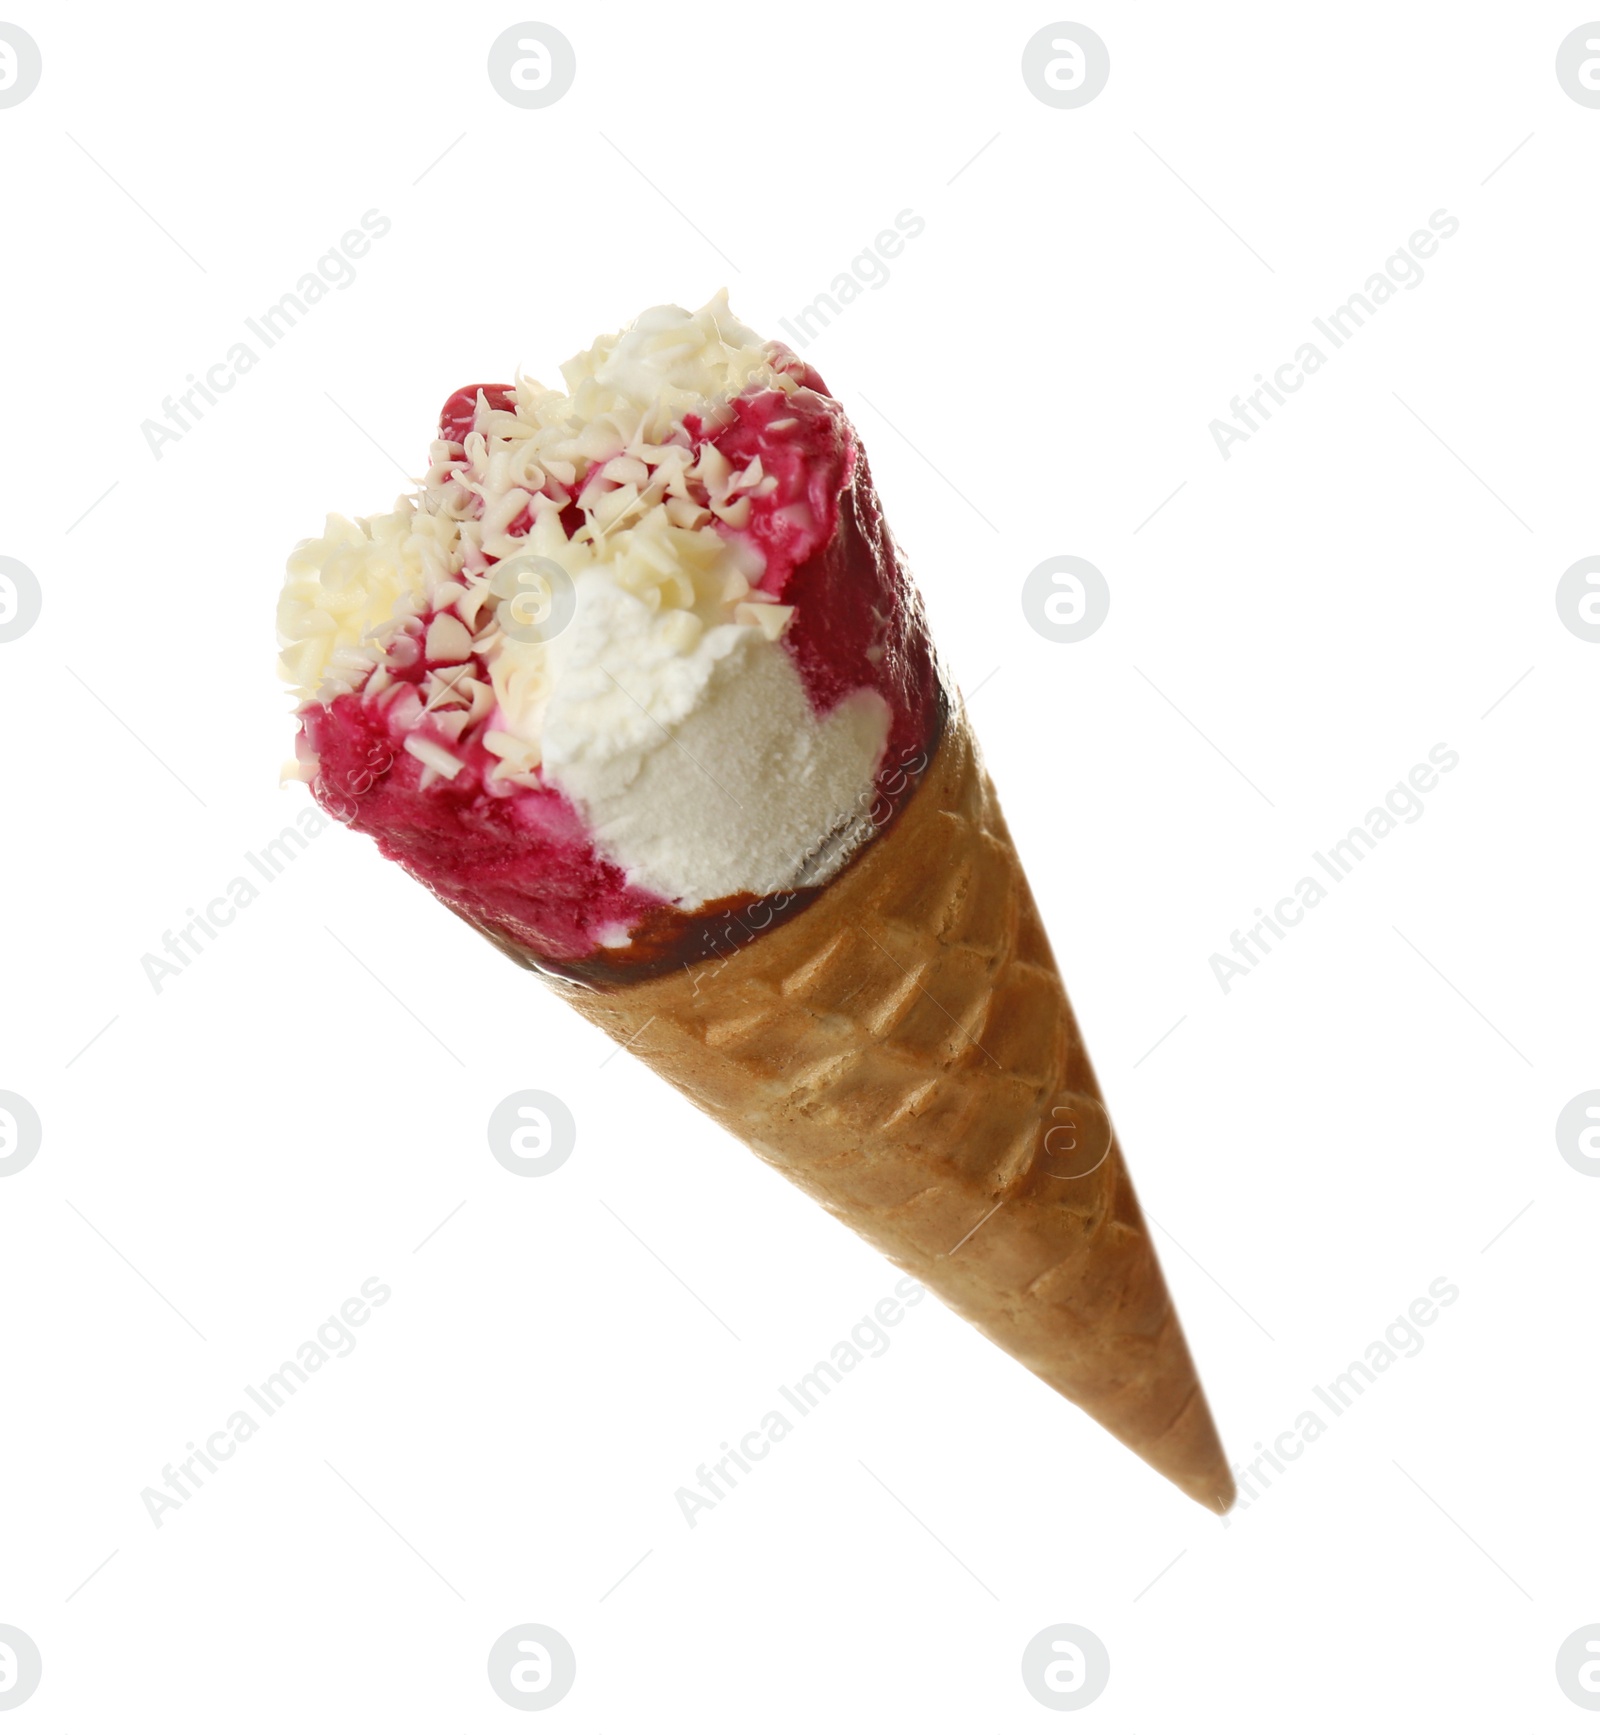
<point x="666" y="710"/>
<point x="650" y="511"/>
<point x="435" y="757"/>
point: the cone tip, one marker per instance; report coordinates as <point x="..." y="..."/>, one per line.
<point x="1221" y="1492"/>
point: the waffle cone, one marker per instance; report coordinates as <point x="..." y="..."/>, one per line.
<point x="903" y="1050"/>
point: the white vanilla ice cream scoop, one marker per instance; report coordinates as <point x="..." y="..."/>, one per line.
<point x="633" y="654"/>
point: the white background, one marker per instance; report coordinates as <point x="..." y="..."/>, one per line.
<point x="1362" y="1114"/>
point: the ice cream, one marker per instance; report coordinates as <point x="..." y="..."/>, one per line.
<point x="634" y="652"/>
<point x="638" y="676"/>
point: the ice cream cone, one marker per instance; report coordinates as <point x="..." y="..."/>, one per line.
<point x="904" y="1051"/>
<point x="638" y="684"/>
